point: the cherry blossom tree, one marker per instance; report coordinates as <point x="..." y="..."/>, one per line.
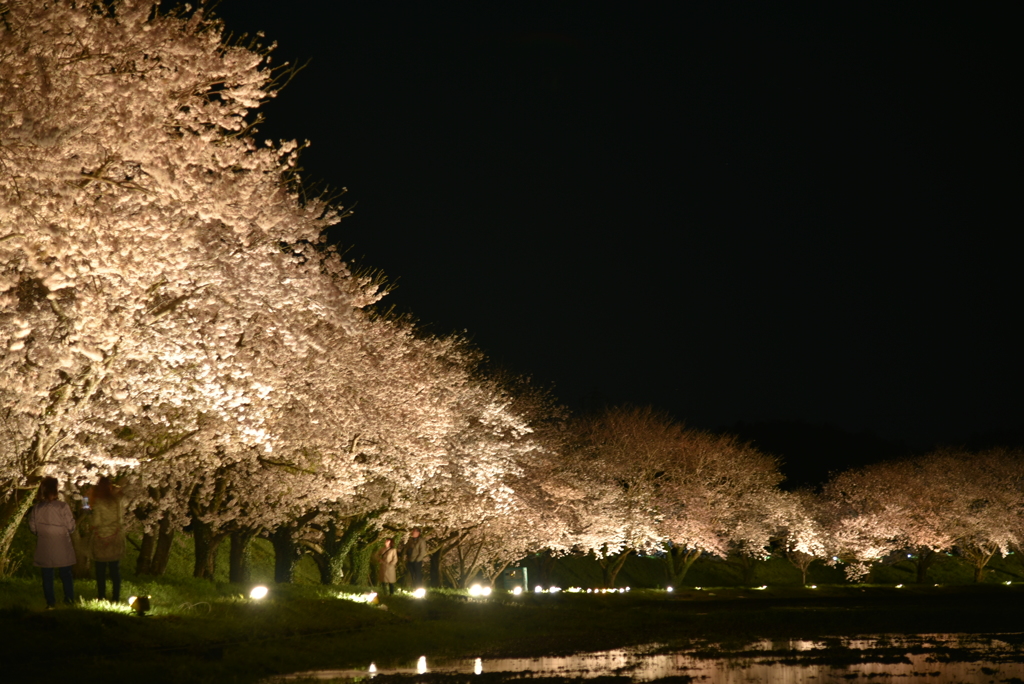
<point x="939" y="502"/>
<point x="146" y="238"/>
<point x="657" y="484"/>
<point x="803" y="537"/>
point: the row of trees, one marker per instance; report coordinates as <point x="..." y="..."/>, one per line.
<point x="170" y="314"/>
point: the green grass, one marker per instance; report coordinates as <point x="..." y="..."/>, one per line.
<point x="207" y="632"/>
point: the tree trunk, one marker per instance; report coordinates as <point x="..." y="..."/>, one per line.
<point x="678" y="562"/>
<point x="164" y="543"/>
<point x="206" y="543"/>
<point x="359" y="573"/>
<point x="925" y="560"/>
<point x="435" y="566"/>
<point x="144" y="563"/>
<point x="286" y="553"/>
<point x="238" y="569"/>
<point x="337" y="552"/>
<point x="802" y="562"/>
<point x="155" y="550"/>
<point x="610" y="567"/>
<point x="12" y="513"/>
<point x="747" y="566"/>
<point x="978" y="556"/>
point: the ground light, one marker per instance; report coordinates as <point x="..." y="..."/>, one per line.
<point x="516" y="591"/>
<point x="421" y="665"/>
<point x="419" y="593"/>
<point x="140" y="604"/>
<point x="669" y="589"/>
<point x="258" y="592"/>
<point x="373" y="668"/>
<point x="478" y="666"/>
<point x="477" y="590"/>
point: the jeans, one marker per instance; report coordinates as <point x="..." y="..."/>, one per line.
<point x="66" y="581"/>
<point x="415" y="569"/>
<point x="101" y="579"/>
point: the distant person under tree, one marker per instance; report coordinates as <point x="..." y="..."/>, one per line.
<point x="415" y="553"/>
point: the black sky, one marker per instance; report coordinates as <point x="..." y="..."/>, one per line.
<point x="741" y="212"/>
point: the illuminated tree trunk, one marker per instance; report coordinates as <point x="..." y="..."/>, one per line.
<point x="144" y="562"/>
<point x="678" y="562"/>
<point x="610" y="567"/>
<point x="206" y="542"/>
<point x="337" y="551"/>
<point x="286" y="553"/>
<point x="802" y="562"/>
<point x="978" y="557"/>
<point x="11" y="515"/>
<point x="238" y="569"/>
<point x="155" y="551"/>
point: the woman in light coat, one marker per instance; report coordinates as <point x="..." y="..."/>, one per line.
<point x="107" y="543"/>
<point x="387" y="570"/>
<point x="52" y="523"/>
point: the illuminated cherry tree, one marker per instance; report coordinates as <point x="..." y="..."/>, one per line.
<point x="146" y="238"/>
<point x="656" y="484"/>
<point x="940" y="502"/>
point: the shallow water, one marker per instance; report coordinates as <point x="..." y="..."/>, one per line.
<point x="934" y="658"/>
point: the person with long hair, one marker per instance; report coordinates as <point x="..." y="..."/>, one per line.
<point x="107" y="541"/>
<point x="52" y="523"/>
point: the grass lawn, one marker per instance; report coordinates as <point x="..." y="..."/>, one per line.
<point x="198" y="632"/>
<point x="201" y="631"/>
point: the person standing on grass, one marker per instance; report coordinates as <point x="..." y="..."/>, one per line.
<point x="415" y="553"/>
<point x="52" y="523"/>
<point x="107" y="542"/>
<point x="387" y="569"/>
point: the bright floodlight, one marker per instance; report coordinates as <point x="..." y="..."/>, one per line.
<point x="538" y="589"/>
<point x="419" y="593"/>
<point x="670" y="590"/>
<point x="516" y="591"/>
<point x="258" y="592"/>
<point x="421" y="665"/>
<point x="899" y="586"/>
<point x="140" y="604"/>
<point x="373" y="668"/>
<point x="476" y="590"/>
<point x="478" y="666"/>
<point x="486" y="591"/>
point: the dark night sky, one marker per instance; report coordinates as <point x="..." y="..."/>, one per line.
<point x="733" y="213"/>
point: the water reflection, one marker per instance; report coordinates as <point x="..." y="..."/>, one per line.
<point x="935" y="658"/>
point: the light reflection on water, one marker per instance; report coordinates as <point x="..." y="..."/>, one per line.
<point x="934" y="658"/>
